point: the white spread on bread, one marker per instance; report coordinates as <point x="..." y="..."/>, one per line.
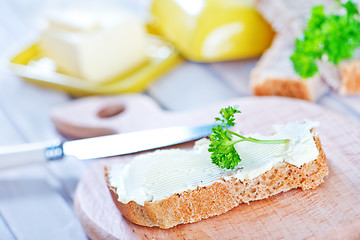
<point x="162" y="173"/>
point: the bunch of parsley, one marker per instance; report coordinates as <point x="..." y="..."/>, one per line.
<point x="335" y="36"/>
<point x="222" y="140"/>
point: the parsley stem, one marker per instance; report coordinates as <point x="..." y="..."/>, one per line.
<point x="254" y="140"/>
<point x="250" y="139"/>
<point x="236" y="134"/>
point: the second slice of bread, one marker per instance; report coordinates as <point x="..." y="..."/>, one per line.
<point x="274" y="74"/>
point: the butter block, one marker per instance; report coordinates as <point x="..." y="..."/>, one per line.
<point x="95" y="47"/>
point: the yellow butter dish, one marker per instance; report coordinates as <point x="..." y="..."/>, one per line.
<point x="34" y="67"/>
<point x="212" y="30"/>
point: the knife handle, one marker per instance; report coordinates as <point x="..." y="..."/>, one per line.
<point x="17" y="155"/>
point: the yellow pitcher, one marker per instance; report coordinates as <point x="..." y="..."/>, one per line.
<point x="212" y="30"/>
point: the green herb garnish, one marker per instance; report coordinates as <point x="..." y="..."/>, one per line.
<point x="332" y="37"/>
<point x="222" y="143"/>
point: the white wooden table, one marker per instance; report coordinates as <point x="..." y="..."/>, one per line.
<point x="36" y="202"/>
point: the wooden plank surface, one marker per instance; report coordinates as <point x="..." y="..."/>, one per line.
<point x="189" y="86"/>
<point x="236" y="77"/>
<point x="33" y="204"/>
<point x="327" y="211"/>
<point x="34" y="208"/>
<point x="5" y="232"/>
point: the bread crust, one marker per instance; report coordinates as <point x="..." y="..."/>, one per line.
<point x="204" y="202"/>
<point x="283" y="87"/>
<point x="350" y="77"/>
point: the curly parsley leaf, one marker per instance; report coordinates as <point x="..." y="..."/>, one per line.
<point x="332" y="36"/>
<point x="222" y="140"/>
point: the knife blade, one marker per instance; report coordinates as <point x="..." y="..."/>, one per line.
<point x="100" y="147"/>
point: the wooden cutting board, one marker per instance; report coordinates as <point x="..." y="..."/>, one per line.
<point x="331" y="211"/>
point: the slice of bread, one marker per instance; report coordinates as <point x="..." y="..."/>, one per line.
<point x="350" y="77"/>
<point x="289" y="17"/>
<point x="344" y="78"/>
<point x="274" y="73"/>
<point x="204" y="202"/>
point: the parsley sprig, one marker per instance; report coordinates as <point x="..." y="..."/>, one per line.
<point x="222" y="140"/>
<point x="335" y="36"/>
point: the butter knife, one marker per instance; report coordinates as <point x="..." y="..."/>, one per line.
<point x="99" y="147"/>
